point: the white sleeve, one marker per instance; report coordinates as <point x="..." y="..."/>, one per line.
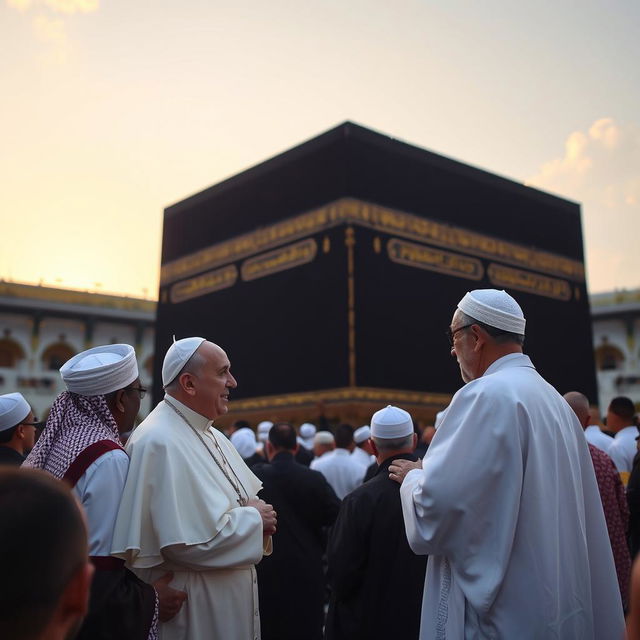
<point x="100" y="490"/>
<point x="239" y="544"/>
<point x="617" y="454"/>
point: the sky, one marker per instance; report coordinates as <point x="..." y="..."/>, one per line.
<point x="112" y="111"/>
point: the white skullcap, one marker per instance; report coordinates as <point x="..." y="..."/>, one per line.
<point x="323" y="437"/>
<point x="307" y="430"/>
<point x="391" y="422"/>
<point x="263" y="430"/>
<point x="361" y="434"/>
<point x="244" y="440"/>
<point x="177" y="356"/>
<point x="100" y="370"/>
<point x="495" y="308"/>
<point x="13" y="409"/>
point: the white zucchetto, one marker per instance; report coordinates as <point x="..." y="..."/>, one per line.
<point x="495" y="308"/>
<point x="391" y="422"/>
<point x="13" y="409"/>
<point x="177" y="356"/>
<point x="244" y="440"/>
<point x="100" y="370"/>
<point x="361" y="434"/>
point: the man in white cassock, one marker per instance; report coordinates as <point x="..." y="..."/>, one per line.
<point x="189" y="503"/>
<point x="506" y="502"/>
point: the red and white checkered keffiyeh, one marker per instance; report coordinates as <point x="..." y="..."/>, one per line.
<point x="74" y="423"/>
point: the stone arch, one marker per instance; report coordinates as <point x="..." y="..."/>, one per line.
<point x="10" y="352"/>
<point x="56" y="354"/>
<point x="609" y="358"/>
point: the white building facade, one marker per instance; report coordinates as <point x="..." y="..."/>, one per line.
<point x="616" y="342"/>
<point x="42" y="327"/>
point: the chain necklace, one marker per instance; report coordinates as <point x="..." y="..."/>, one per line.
<point x="242" y="501"/>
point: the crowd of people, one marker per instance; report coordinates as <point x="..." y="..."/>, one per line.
<point x="514" y="517"/>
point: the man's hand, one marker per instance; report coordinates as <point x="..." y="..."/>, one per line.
<point x="399" y="468"/>
<point x="268" y="515"/>
<point x="169" y="600"/>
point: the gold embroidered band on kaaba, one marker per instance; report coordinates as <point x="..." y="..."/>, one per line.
<point x="423" y="257"/>
<point x="287" y="257"/>
<point x="382" y="219"/>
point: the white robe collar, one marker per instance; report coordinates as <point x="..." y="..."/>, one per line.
<point x="196" y="420"/>
<point x="510" y="360"/>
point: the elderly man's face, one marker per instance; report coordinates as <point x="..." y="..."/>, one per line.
<point x="463" y="348"/>
<point x="213" y="382"/>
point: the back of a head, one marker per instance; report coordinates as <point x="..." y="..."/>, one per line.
<point x="623" y="407"/>
<point x="344" y="436"/>
<point x="43" y="543"/>
<point x="580" y="405"/>
<point x="283" y="436"/>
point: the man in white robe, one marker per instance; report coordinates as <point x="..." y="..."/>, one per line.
<point x="189" y="503"/>
<point x="506" y="504"/>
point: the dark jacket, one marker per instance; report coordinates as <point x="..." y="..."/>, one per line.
<point x="10" y="456"/>
<point x="291" y="582"/>
<point x="376" y="580"/>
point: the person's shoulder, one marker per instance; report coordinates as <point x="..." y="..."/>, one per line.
<point x="262" y="469"/>
<point x="599" y="456"/>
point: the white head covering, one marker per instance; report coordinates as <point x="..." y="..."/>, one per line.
<point x="244" y="440"/>
<point x="263" y="430"/>
<point x="361" y="434"/>
<point x="323" y="437"/>
<point x="495" y="308"/>
<point x="177" y="356"/>
<point x="100" y="370"/>
<point x="391" y="422"/>
<point x="13" y="409"/>
<point x="307" y="431"/>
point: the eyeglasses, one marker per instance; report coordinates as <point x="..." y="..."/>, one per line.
<point x="141" y="390"/>
<point x="450" y="333"/>
<point x="36" y="423"/>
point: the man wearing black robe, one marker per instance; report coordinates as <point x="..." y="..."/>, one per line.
<point x="291" y="582"/>
<point x="376" y="580"/>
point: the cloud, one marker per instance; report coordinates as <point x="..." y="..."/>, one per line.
<point x="72" y="6"/>
<point x="20" y="5"/>
<point x="600" y="168"/>
<point x="601" y="165"/>
<point x="50" y="30"/>
<point x="48" y="22"/>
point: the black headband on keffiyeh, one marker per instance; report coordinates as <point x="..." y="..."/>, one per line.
<point x="74" y="423"/>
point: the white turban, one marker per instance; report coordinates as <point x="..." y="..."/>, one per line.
<point x="177" y="356"/>
<point x="390" y="423"/>
<point x="13" y="409"/>
<point x="100" y="370"/>
<point x="244" y="440"/>
<point x="495" y="308"/>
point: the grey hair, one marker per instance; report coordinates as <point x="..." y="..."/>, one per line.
<point x="193" y="365"/>
<point x="384" y="445"/>
<point x="499" y="335"/>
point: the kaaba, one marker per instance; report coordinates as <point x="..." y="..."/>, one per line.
<point x="330" y="273"/>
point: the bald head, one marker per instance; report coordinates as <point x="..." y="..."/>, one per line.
<point x="580" y="405"/>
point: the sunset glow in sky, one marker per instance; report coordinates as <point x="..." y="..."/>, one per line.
<point x="112" y="111"/>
